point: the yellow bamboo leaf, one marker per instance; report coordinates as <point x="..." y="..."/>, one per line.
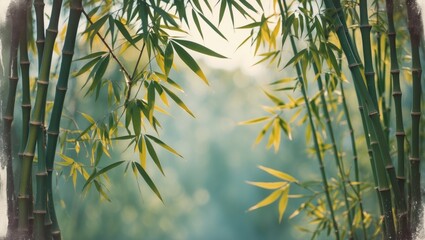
<point x="283" y="202"/>
<point x="142" y="152"/>
<point x="268" y="185"/>
<point x="278" y="174"/>
<point x="266" y="201"/>
<point x="276" y="130"/>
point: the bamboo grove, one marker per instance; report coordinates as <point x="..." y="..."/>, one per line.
<point x="336" y="49"/>
<point x="365" y="39"/>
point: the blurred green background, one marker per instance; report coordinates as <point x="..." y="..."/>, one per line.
<point x="205" y="194"/>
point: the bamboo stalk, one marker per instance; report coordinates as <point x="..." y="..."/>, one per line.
<point x="36" y="117"/>
<point x="8" y="116"/>
<point x="403" y="230"/>
<point x="365" y="28"/>
<point x="415" y="31"/>
<point x="39" y="14"/>
<point x="335" y="227"/>
<point x="61" y="88"/>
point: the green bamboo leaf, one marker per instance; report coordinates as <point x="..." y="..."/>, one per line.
<point x="197" y="24"/>
<point x="278" y="174"/>
<point x="136" y="118"/>
<point x="168" y="59"/>
<point x="142" y="151"/>
<point x="198" y="48"/>
<point x="100" y="190"/>
<point x="190" y="62"/>
<point x="112" y="29"/>
<point x="266" y="201"/>
<point x="151" y="100"/>
<point x="124" y="31"/>
<point x="255" y="120"/>
<point x="178" y="101"/>
<point x="162" y="144"/>
<point x="91" y="55"/>
<point x="297" y="57"/>
<point x="213" y="27"/>
<point x="283" y="202"/>
<point x="143" y="14"/>
<point x="99" y="153"/>
<point x="153" y="155"/>
<point x="127" y="137"/>
<point x="95" y="27"/>
<point x="87" y="66"/>
<point x="250" y="25"/>
<point x="148" y="180"/>
<point x="166" y="16"/>
<point x="101" y="171"/>
<point x="268" y="185"/>
<point x="222" y="10"/>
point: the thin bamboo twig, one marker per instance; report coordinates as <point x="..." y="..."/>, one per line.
<point x="129" y="79"/>
<point x="283" y="10"/>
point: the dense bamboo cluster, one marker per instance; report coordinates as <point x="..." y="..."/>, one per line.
<point x="28" y="220"/>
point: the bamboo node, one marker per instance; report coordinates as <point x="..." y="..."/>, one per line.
<point x="384" y="189"/>
<point x="400" y="134"/>
<point x="66" y="52"/>
<point x="395" y="71"/>
<point x="54" y="31"/>
<point x="27" y="154"/>
<point x="415" y="114"/>
<point x="38" y="4"/>
<point x="23" y="197"/>
<point x="416" y="70"/>
<point x="414" y="159"/>
<point x="38" y="41"/>
<point x="353" y="65"/>
<point x="26" y="105"/>
<point x="369" y="73"/>
<point x="365" y="26"/>
<point x="13" y="78"/>
<point x="54" y="133"/>
<point x="25" y="62"/>
<point x="401" y="178"/>
<point x="42" y="174"/>
<point x="41" y="82"/>
<point x="373" y="113"/>
<point x="391" y="34"/>
<point x="397" y="93"/>
<point x="40" y="212"/>
<point x="35" y="123"/>
<point x="61" y="88"/>
<point x="389" y="167"/>
<point x="8" y="118"/>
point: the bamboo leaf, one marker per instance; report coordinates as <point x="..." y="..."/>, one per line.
<point x="266" y="201"/>
<point x="268" y="185"/>
<point x="142" y="151"/>
<point x="213" y="27"/>
<point x="255" y="120"/>
<point x="198" y="48"/>
<point x="101" y="171"/>
<point x="278" y="174"/>
<point x="148" y="180"/>
<point x="190" y="62"/>
<point x="153" y="155"/>
<point x="197" y="24"/>
<point x="178" y="101"/>
<point x="168" y="59"/>
<point x="162" y="144"/>
<point x="123" y="30"/>
<point x="283" y="202"/>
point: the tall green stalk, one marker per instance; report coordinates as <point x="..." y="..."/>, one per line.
<point x="61" y="88"/>
<point x="39" y="15"/>
<point x="283" y="10"/>
<point x="36" y="119"/>
<point x="415" y="31"/>
<point x="365" y="28"/>
<point x="14" y="22"/>
<point x="404" y="231"/>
